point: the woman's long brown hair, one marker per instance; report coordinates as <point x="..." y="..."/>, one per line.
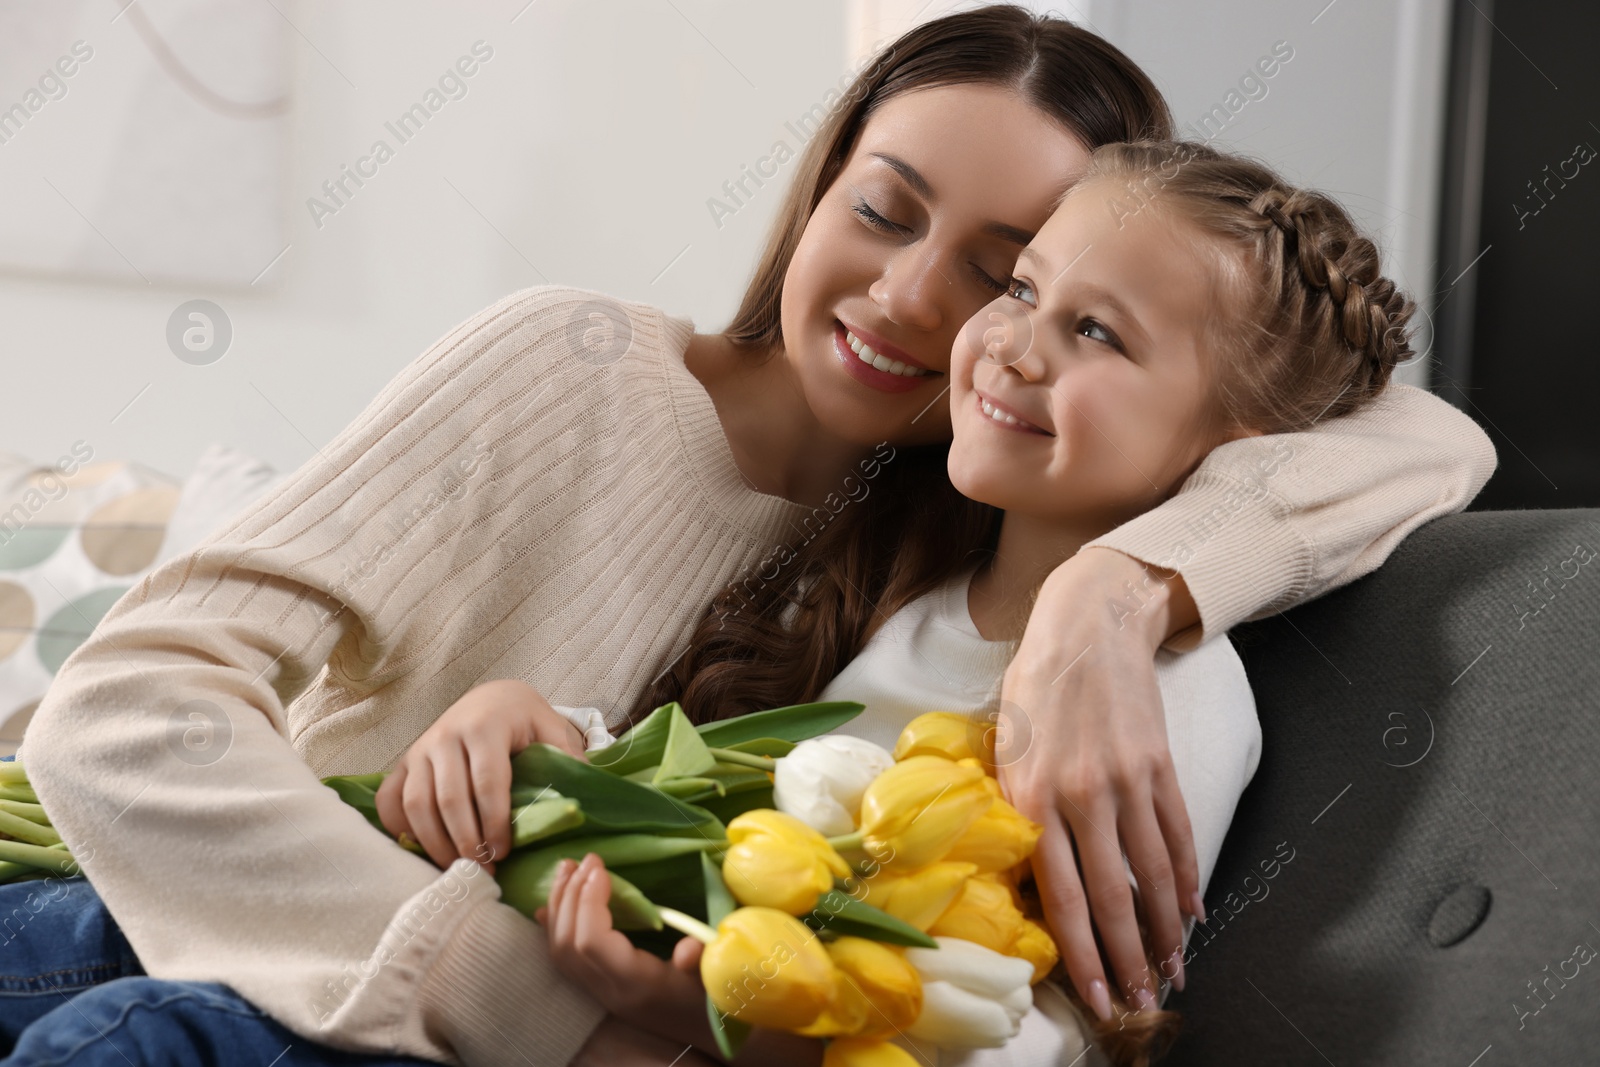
<point x="768" y="641"/>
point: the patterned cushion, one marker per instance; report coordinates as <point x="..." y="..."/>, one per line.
<point x="76" y="535"/>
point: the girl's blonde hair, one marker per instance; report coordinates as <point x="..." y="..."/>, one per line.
<point x="1305" y="327"/>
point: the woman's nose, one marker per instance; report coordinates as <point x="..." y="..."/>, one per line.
<point x="913" y="290"/>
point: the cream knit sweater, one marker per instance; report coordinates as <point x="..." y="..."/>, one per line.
<point x="516" y="504"/>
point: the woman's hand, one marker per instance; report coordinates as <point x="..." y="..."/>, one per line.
<point x="451" y="791"/>
<point x="662" y="998"/>
<point x="1083" y="751"/>
<point x="628" y="982"/>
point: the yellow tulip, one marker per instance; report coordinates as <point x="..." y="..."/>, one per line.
<point x="984" y="914"/>
<point x="914" y="811"/>
<point x="1009" y="880"/>
<point x="866" y="1052"/>
<point x="1038" y="948"/>
<point x="917" y="897"/>
<point x="765" y="968"/>
<point x="1001" y="838"/>
<point x="942" y="733"/>
<point x="777" y="861"/>
<point x="879" y="992"/>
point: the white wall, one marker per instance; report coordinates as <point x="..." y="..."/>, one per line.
<point x="585" y="152"/>
<point x="1358" y="112"/>
<point x="590" y="142"/>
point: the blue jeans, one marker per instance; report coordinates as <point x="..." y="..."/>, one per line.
<point x="72" y="991"/>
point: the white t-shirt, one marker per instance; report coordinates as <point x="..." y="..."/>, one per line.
<point x="929" y="656"/>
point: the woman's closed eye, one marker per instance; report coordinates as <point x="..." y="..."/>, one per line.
<point x="877" y="221"/>
<point x="883" y="224"/>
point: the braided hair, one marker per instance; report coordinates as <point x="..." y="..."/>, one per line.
<point x="1307" y="325"/>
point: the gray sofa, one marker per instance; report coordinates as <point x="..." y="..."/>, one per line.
<point x="1413" y="876"/>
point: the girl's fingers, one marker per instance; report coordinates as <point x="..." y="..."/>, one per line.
<point x="452" y="788"/>
<point x="1056" y="871"/>
<point x="422" y="812"/>
<point x="1105" y="877"/>
<point x="490" y="766"/>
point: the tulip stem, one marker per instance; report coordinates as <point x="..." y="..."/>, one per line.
<point x="687" y="924"/>
<point x="743" y="759"/>
<point x="846" y="842"/>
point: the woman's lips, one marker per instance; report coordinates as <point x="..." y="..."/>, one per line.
<point x="865" y="373"/>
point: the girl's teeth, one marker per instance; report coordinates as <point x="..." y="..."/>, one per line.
<point x="865" y="353"/>
<point x="998" y="416"/>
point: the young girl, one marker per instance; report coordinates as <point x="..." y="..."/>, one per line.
<point x="1176" y="300"/>
<point x="611" y="492"/>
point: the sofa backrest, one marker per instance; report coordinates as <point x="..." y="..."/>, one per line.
<point x="1413" y="876"/>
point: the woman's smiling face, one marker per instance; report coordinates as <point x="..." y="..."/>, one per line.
<point x="921" y="228"/>
<point x="1091" y="399"/>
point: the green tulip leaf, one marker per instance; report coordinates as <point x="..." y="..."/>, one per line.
<point x="686" y="755"/>
<point x="692" y="790"/>
<point x="729" y="1032"/>
<point x="771" y="747"/>
<point x="544" y="818"/>
<point x="641" y="746"/>
<point x="795" y="723"/>
<point x="527" y="876"/>
<point x="719" y="901"/>
<point x="844" y="914"/>
<point x="608" y="802"/>
<point x="739" y="801"/>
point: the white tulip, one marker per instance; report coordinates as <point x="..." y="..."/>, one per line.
<point x="821" y="781"/>
<point x="972" y="996"/>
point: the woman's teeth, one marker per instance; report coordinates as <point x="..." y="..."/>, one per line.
<point x="999" y="416"/>
<point x="865" y="353"/>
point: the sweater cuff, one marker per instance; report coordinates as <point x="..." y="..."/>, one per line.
<point x="1231" y="542"/>
<point x="494" y="997"/>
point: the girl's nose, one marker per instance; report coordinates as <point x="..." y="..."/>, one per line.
<point x="1004" y="334"/>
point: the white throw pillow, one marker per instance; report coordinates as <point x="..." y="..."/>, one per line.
<point x="223" y="485"/>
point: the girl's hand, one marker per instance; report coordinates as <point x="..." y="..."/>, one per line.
<point x="1083" y="751"/>
<point x="451" y="791"/>
<point x="628" y="982"/>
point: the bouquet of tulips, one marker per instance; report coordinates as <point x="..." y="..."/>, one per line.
<point x="841" y="891"/>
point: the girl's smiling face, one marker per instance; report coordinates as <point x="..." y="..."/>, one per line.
<point x="920" y="229"/>
<point x="1096" y="356"/>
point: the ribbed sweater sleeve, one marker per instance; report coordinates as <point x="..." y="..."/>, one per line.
<point x="1268" y="522"/>
<point x="475" y="521"/>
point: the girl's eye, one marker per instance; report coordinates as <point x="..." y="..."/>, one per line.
<point x="875" y="220"/>
<point x="1023" y="291"/>
<point x="1096" y="332"/>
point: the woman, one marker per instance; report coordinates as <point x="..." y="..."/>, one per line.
<point x="610" y="493"/>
